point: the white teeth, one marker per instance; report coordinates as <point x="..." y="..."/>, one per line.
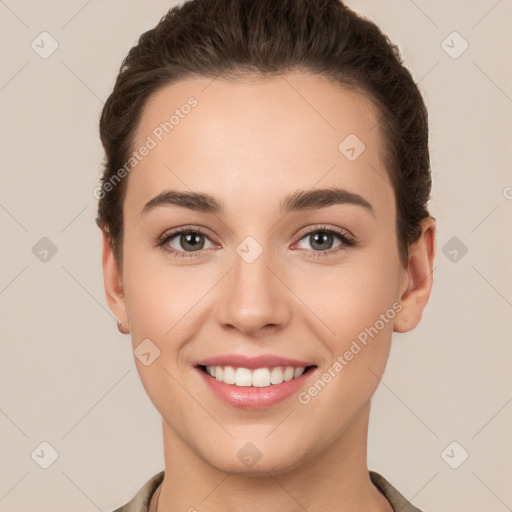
<point x="229" y="375"/>
<point x="243" y="377"/>
<point x="260" y="377"/>
<point x="276" y="375"/>
<point x="298" y="372"/>
<point x="288" y="373"/>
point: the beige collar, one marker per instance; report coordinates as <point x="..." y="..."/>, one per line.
<point x="153" y="506"/>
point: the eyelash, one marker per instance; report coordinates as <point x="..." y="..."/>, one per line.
<point x="346" y="241"/>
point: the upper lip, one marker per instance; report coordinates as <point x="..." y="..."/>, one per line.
<point x="263" y="361"/>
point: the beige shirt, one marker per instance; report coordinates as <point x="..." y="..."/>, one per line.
<point x="141" y="501"/>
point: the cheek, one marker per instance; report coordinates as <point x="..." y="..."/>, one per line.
<point x="355" y="306"/>
<point x="157" y="294"/>
<point x="358" y="304"/>
<point x="352" y="296"/>
<point x="160" y="301"/>
<point x="167" y="304"/>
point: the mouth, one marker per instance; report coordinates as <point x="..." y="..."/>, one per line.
<point x="263" y="377"/>
<point x="259" y="387"/>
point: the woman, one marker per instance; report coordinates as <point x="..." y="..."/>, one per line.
<point x="265" y="230"/>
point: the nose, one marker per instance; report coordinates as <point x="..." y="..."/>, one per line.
<point x="254" y="300"/>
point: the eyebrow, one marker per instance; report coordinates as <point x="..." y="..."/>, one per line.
<point x="297" y="201"/>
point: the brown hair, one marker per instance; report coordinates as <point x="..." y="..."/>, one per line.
<point x="235" y="38"/>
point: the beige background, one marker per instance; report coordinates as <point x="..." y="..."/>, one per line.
<point x="67" y="378"/>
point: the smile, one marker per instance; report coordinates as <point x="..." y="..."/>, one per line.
<point x="258" y="377"/>
<point x="256" y="387"/>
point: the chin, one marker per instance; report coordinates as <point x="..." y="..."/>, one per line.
<point x="250" y="461"/>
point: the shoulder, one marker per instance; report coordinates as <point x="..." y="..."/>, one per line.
<point x="398" y="502"/>
<point x="140" y="502"/>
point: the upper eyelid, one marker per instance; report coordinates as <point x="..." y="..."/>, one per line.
<point x="322" y="227"/>
<point x="183" y="230"/>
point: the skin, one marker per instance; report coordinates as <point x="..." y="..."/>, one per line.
<point x="250" y="143"/>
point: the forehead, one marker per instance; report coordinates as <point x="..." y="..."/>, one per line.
<point x="258" y="138"/>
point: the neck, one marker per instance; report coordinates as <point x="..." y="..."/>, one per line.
<point x="336" y="479"/>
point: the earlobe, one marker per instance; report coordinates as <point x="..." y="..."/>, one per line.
<point x="418" y="278"/>
<point x="113" y="281"/>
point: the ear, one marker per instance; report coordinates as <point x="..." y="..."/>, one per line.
<point x="113" y="282"/>
<point x="418" y="278"/>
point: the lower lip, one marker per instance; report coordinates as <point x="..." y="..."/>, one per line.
<point x="250" y="397"/>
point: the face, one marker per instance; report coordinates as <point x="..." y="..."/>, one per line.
<point x="281" y="277"/>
